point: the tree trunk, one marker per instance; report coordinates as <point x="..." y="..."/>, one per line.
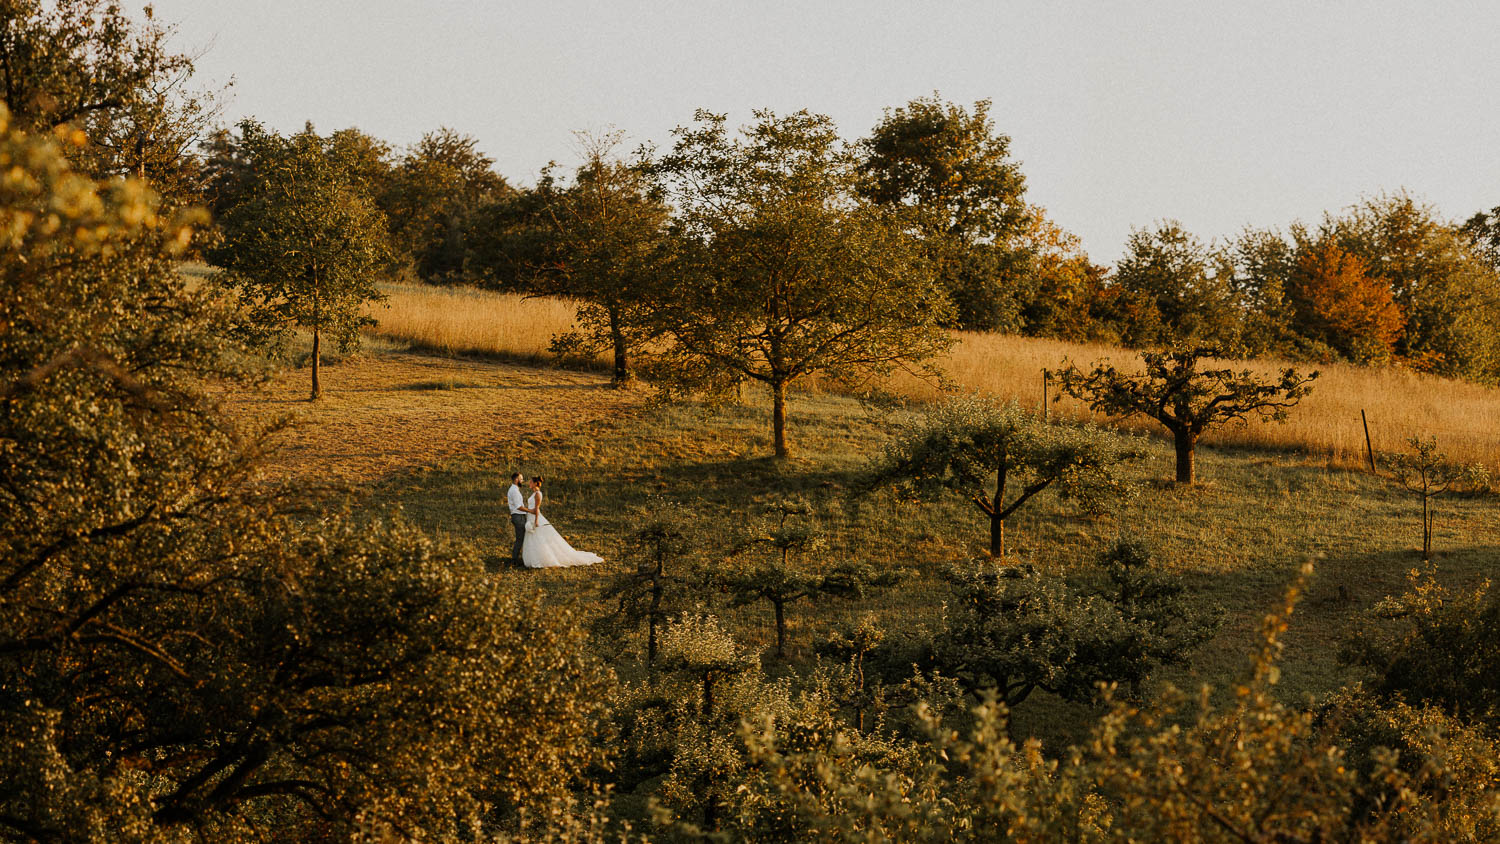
<point x="651" y="622"/>
<point x="617" y="336"/>
<point x="997" y="536"/>
<point x="708" y="696"/>
<point x="778" y="418"/>
<point x="317" y="356"/>
<point x="1184" y="444"/>
<point x="780" y="630"/>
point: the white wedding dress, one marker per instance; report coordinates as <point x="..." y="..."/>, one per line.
<point x="544" y="547"/>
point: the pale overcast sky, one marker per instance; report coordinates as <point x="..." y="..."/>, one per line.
<point x="1219" y="114"/>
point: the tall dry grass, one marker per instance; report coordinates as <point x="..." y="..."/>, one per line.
<point x="1464" y="417"/>
<point x="466" y="321"/>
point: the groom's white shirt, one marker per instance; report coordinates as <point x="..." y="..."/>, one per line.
<point x="517" y="502"/>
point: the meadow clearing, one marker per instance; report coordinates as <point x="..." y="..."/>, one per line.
<point x="1398" y="403"/>
<point x="1271" y="499"/>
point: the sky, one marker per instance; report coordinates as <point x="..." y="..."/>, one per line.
<point x="1216" y="114"/>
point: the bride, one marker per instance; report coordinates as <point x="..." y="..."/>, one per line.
<point x="544" y="546"/>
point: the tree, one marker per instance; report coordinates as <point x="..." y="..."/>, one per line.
<point x="1483" y="233"/>
<point x="1007" y="633"/>
<point x="436" y="190"/>
<point x="1429" y="473"/>
<point x="1171" y="288"/>
<point x="304" y="243"/>
<point x="611" y="248"/>
<point x="85" y="64"/>
<point x="1000" y="457"/>
<point x="1339" y="305"/>
<point x="1447" y="291"/>
<point x="650" y="593"/>
<point x="785" y="271"/>
<point x="1185" y="399"/>
<point x="1064" y="286"/>
<point x="183" y="654"/>
<point x="1164" y="624"/>
<point x="781" y="578"/>
<point x="953" y="172"/>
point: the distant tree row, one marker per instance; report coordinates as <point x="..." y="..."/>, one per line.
<point x="1386" y="281"/>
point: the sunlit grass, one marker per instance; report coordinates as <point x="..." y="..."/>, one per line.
<point x="1464" y="417"/>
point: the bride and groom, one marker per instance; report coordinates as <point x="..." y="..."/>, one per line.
<point x="538" y="545"/>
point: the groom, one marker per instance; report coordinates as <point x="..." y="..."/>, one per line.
<point x="518" y="513"/>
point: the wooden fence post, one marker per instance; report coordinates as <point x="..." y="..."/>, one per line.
<point x="1369" y="450"/>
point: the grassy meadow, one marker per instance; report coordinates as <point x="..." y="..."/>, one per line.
<point x="1465" y="417"/>
<point x="1238" y="538"/>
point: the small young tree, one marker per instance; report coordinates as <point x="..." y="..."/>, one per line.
<point x="968" y="445"/>
<point x="648" y="594"/>
<point x="781" y="578"/>
<point x="304" y="242"/>
<point x="855" y="643"/>
<point x="1429" y="473"/>
<point x="1187" y="400"/>
<point x="783" y="270"/>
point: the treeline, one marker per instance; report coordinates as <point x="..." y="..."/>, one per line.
<point x="1387" y="281"/>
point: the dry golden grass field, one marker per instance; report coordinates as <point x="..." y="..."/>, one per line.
<point x="1464" y="417"/>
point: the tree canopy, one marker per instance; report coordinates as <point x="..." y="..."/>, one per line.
<point x="951" y="172"/>
<point x="785" y="270"/>
<point x="304" y="241"/>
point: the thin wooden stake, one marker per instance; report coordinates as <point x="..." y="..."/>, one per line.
<point x="1045" y="411"/>
<point x="1369" y="449"/>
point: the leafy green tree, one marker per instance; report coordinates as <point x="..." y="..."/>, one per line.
<point x="435" y="191"/>
<point x="611" y="250"/>
<point x="952" y="171"/>
<point x="182" y="655"/>
<point x="1185" y="399"/>
<point x="1251" y="768"/>
<point x="1170" y="288"/>
<point x="304" y="243"/>
<point x="707" y="762"/>
<point x="782" y="576"/>
<point x="1000" y="457"/>
<point x="87" y="65"/>
<point x="786" y="272"/>
<point x="1429" y="473"/>
<point x="1483" y="233"/>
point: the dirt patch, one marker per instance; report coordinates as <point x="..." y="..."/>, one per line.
<point x="391" y="412"/>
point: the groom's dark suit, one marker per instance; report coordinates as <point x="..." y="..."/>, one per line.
<point x="516" y="502"/>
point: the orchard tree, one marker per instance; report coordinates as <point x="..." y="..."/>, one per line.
<point x="184" y="654"/>
<point x="783" y="575"/>
<point x="1429" y="473"/>
<point x="610" y="248"/>
<point x="1165" y="623"/>
<point x="304" y="243"/>
<point x="1182" y="397"/>
<point x="950" y="171"/>
<point x="653" y="591"/>
<point x="1000" y="457"/>
<point x="785" y="270"/>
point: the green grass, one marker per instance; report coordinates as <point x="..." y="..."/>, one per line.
<point x="1239" y="537"/>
